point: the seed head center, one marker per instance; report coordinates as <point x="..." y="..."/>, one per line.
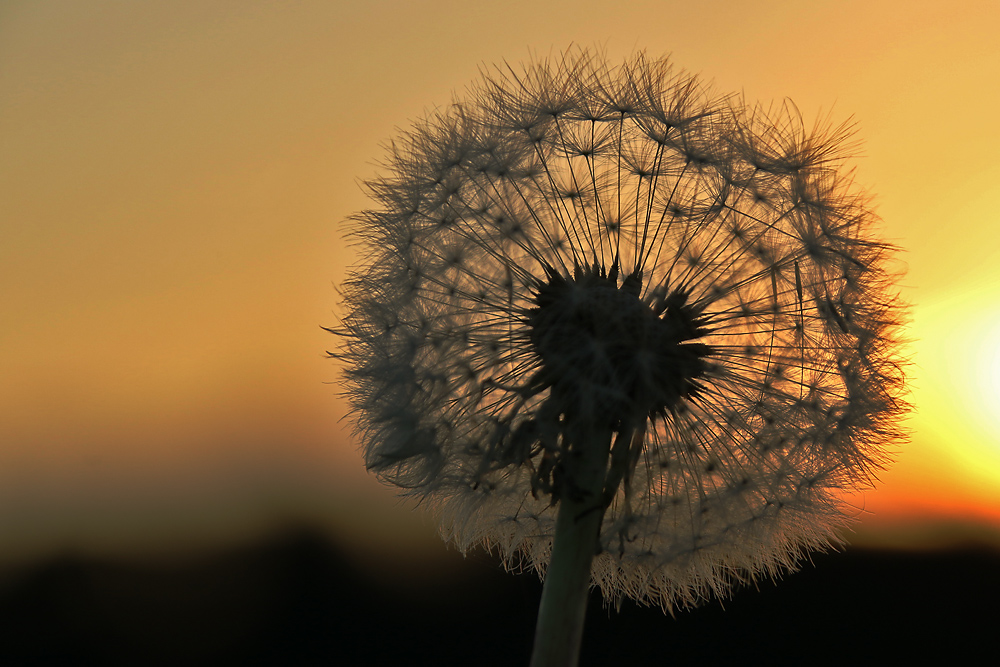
<point x="600" y="341"/>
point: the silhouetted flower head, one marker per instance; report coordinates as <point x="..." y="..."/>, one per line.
<point x="584" y="247"/>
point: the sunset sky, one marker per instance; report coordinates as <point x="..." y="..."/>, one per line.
<point x="173" y="181"/>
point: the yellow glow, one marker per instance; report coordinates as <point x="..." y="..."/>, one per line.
<point x="986" y="360"/>
<point x="957" y="385"/>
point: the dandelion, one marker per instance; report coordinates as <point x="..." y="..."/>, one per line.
<point x="622" y="331"/>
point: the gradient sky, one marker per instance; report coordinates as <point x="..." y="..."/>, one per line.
<point x="173" y="177"/>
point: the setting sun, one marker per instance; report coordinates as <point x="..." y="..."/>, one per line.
<point x="976" y="352"/>
<point x="957" y="388"/>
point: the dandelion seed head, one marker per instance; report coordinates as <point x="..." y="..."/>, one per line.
<point x="579" y="245"/>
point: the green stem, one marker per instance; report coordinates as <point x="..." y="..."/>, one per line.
<point x="563" y="608"/>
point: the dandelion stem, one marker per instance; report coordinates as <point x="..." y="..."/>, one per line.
<point x="563" y="607"/>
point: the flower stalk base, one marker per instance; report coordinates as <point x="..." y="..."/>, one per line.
<point x="563" y="608"/>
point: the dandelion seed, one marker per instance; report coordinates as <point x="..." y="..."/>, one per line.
<point x="599" y="297"/>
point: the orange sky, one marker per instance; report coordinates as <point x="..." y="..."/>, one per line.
<point x="172" y="178"/>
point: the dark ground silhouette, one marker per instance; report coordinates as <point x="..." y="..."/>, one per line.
<point x="297" y="601"/>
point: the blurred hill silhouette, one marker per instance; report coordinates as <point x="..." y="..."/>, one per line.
<point x="297" y="600"/>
